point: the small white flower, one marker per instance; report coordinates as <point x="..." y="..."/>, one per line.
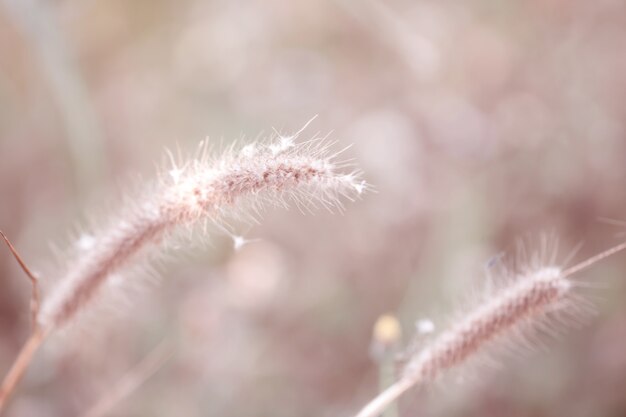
<point x="249" y="150"/>
<point x="425" y="326"/>
<point x="175" y="173"/>
<point x="85" y="242"/>
<point x="238" y="242"/>
<point x="360" y="187"/>
<point x="285" y="143"/>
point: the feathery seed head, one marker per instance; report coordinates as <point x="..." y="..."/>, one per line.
<point x="529" y="298"/>
<point x="202" y="189"/>
<point x="528" y="301"/>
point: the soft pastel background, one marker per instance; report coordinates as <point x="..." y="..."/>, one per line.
<point x="478" y="123"/>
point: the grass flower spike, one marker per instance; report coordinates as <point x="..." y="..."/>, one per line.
<point x="533" y="297"/>
<point x="200" y="189"/>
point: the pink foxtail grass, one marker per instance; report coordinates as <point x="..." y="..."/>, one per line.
<point x="532" y="298"/>
<point x="201" y="189"/>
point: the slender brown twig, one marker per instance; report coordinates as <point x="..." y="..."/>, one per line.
<point x="34" y="301"/>
<point x="35" y="339"/>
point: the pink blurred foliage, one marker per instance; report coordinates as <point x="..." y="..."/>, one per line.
<point x="476" y="122"/>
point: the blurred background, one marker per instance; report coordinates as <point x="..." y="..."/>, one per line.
<point x="477" y="122"/>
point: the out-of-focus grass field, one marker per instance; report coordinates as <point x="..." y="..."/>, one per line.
<point x="477" y="123"/>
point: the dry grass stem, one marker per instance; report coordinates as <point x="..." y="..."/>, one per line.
<point x="23" y="360"/>
<point x="35" y="339"/>
<point x="34" y="301"/>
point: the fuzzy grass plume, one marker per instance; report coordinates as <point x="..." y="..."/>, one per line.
<point x="204" y="188"/>
<point x="534" y="296"/>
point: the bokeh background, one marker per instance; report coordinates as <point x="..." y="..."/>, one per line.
<point x="477" y="122"/>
